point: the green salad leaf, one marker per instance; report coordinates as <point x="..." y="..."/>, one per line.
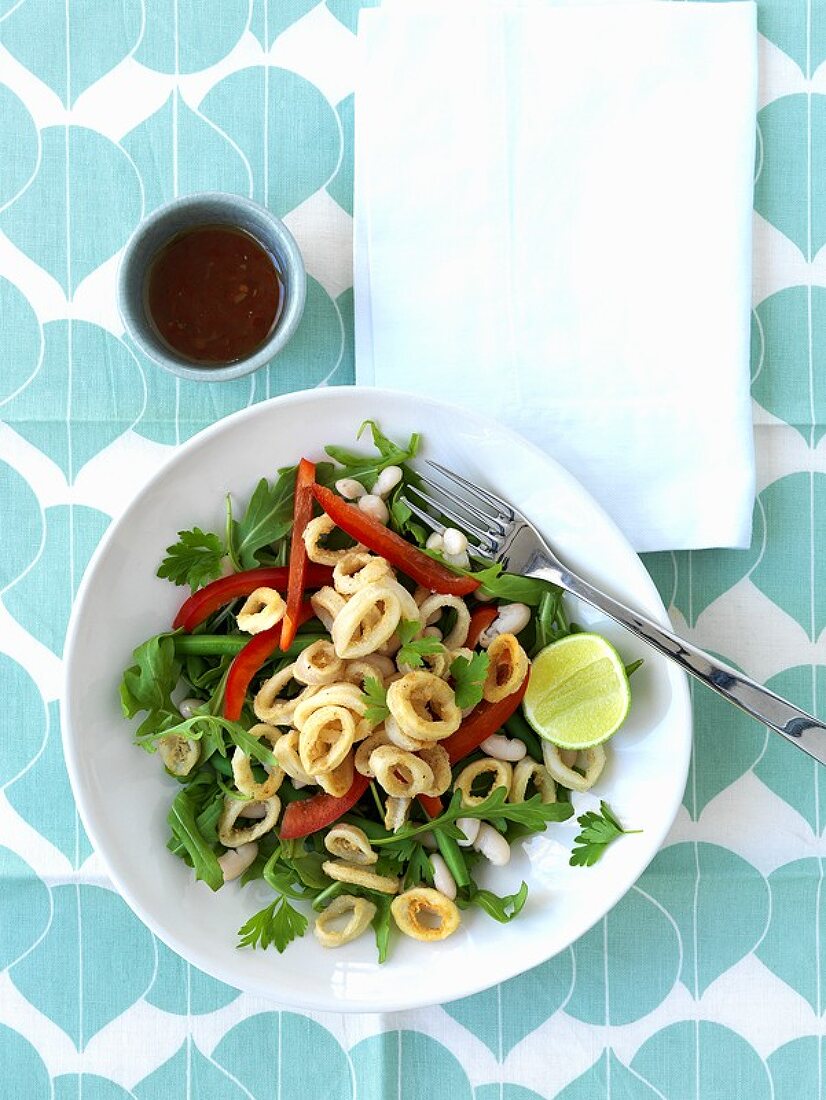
<point x="366" y="468"/>
<point x="268" y="518"/>
<point x="598" y="831"/>
<point x="185" y="830"/>
<point x="502" y="909"/>
<point x="469" y="678"/>
<point x="196" y="559"/>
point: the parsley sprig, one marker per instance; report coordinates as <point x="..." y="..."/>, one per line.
<point x="414" y="650"/>
<point x="195" y="559"/>
<point x="469" y="678"/>
<point x="278" y="924"/>
<point x="375" y="696"/>
<point x="598" y="831"/>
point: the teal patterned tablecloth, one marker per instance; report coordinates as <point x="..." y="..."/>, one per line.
<point x="707" y="981"/>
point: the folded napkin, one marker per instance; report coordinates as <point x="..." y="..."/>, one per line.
<point x="553" y="226"/>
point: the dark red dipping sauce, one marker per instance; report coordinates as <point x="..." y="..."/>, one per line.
<point x="213" y="294"/>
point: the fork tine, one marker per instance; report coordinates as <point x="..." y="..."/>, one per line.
<point x="471" y="509"/>
<point x="505" y="513"/>
<point x="477" y="551"/>
<point x="485" y="537"/>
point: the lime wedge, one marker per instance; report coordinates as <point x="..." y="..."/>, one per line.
<point x="578" y="694"/>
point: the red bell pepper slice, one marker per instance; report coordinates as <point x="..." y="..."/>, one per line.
<point x="302" y="514"/>
<point x="310" y="815"/>
<point x="211" y="597"/>
<point x="249" y="660"/>
<point x="378" y="538"/>
<point x="431" y="804"/>
<point x="480" y="619"/>
<point x="484" y="720"/>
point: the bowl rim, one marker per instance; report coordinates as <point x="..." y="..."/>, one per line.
<point x="297" y="1000"/>
<point x="288" y="253"/>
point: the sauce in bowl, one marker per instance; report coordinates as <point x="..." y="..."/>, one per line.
<point x="213" y="294"/>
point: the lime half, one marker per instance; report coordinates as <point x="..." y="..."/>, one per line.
<point x="578" y="694"/>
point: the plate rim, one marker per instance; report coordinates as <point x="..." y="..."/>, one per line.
<point x="682" y="699"/>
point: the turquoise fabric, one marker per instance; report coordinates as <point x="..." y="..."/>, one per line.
<point x="706" y="981"/>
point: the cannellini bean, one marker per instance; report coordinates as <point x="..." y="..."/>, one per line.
<point x="350" y="489"/>
<point x="349" y="842"/>
<point x="428" y="841"/>
<point x="255" y="811"/>
<point x="454" y="541"/>
<point x="358" y="911"/>
<point x="374" y="507"/>
<point x="387" y="480"/>
<point x="442" y="878"/>
<point x="234" y="862"/>
<point x="512" y="618"/>
<point x="470" y="827"/>
<point x="435" y="542"/>
<point x="503" y="748"/>
<point x="188" y="707"/>
<point x="492" y="845"/>
<point x="462" y="560"/>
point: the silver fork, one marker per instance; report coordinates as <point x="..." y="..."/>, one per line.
<point x="498" y="532"/>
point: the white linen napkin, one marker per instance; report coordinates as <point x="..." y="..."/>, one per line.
<point x="553" y="226"/>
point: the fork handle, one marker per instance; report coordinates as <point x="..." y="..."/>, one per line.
<point x="772" y="710"/>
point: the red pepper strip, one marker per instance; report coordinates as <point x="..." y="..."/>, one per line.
<point x="302" y="514"/>
<point x="208" y="599"/>
<point x="358" y="525"/>
<point x="431" y="805"/>
<point x="247" y="662"/>
<point x="484" y="720"/>
<point x="312" y="814"/>
<point x="480" y="620"/>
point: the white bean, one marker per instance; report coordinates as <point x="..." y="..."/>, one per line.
<point x="387" y="480"/>
<point x="429" y="842"/>
<point x="462" y="560"/>
<point x="512" y="618"/>
<point x="187" y="707"/>
<point x="442" y="878"/>
<point x="435" y="542"/>
<point x="503" y="748"/>
<point x="492" y="845"/>
<point x="470" y="827"/>
<point x="256" y="810"/>
<point x="375" y="507"/>
<point x="235" y="861"/>
<point x="455" y="541"/>
<point x="350" y="489"/>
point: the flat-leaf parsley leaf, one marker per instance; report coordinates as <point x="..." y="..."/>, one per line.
<point x="598" y="831"/>
<point x="375" y="696"/>
<point x="194" y="560"/>
<point x="413" y="649"/>
<point x="469" y="679"/>
<point x="278" y="924"/>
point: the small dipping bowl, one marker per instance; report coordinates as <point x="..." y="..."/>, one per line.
<point x="211" y="208"/>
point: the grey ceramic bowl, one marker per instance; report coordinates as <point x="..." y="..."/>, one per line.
<point x="209" y="208"/>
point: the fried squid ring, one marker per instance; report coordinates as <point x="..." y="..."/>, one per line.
<point x="410" y="609"/>
<point x="341" y="871"/>
<point x="395" y="813"/>
<point x="374" y="666"/>
<point x="285" y="751"/>
<point x="364" y="751"/>
<point x="400" y="773"/>
<point x="500" y="772"/>
<point x="357" y="569"/>
<point x="338" y="694"/>
<point x="245" y="781"/>
<point x="314" y="534"/>
<point x="366" y="621"/>
<point x="179" y="755"/>
<point x="425" y="914"/>
<point x="349" y="842"/>
<point x="396" y="736"/>
<point x="438" y="761"/>
<point x="326" y="603"/>
<point x="592" y="760"/>
<point x="262" y="609"/>
<point x="325" y="739"/>
<point x="359" y="913"/>
<point x="424" y="706"/>
<point x="269" y="706"/>
<point x="339" y="781"/>
<point x="318" y="664"/>
<point x="231" y="836"/>
<point x="528" y="771"/>
<point x="508" y="667"/>
<point x="432" y="608"/>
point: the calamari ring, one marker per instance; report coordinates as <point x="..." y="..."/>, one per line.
<point x="529" y="771"/>
<point x="396" y="736"/>
<point x="357" y="569"/>
<point x="285" y="751"/>
<point x="341" y="871"/>
<point x="338" y="694"/>
<point x="325" y="739"/>
<point x="262" y="609"/>
<point x="314" y="534"/>
<point x="269" y="706"/>
<point x="318" y="664"/>
<point x="349" y="842"/>
<point x="233" y="837"/>
<point x="593" y="761"/>
<point x="395" y="813"/>
<point x="437" y="759"/>
<point x="326" y="603"/>
<point x="366" y="621"/>
<point x="373" y="665"/>
<point x="179" y="754"/>
<point x="500" y="771"/>
<point x="424" y="706"/>
<point x="508" y="667"/>
<point x="432" y="608"/>
<point x="245" y="781"/>
<point x="399" y="772"/>
<point x="425" y="914"/>
<point x="359" y="913"/>
<point x="339" y="781"/>
<point x="363" y="752"/>
<point x="410" y="609"/>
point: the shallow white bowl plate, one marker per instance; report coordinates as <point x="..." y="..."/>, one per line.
<point x="123" y="794"/>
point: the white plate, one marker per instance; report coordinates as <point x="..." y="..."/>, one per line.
<point x="123" y="794"/>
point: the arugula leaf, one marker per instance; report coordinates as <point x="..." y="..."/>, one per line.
<point x="469" y="678"/>
<point x="632" y="668"/>
<point x="194" y="560"/>
<point x="375" y="696"/>
<point x="268" y="518"/>
<point x="148" y="684"/>
<point x="185" y="830"/>
<point x="419" y="868"/>
<point x="508" y="586"/>
<point x="414" y="650"/>
<point x="502" y="909"/>
<point x="278" y="924"/>
<point x="366" y="468"/>
<point x="402" y="520"/>
<point x="209" y="727"/>
<point x="598" y="831"/>
<point x="382" y="925"/>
